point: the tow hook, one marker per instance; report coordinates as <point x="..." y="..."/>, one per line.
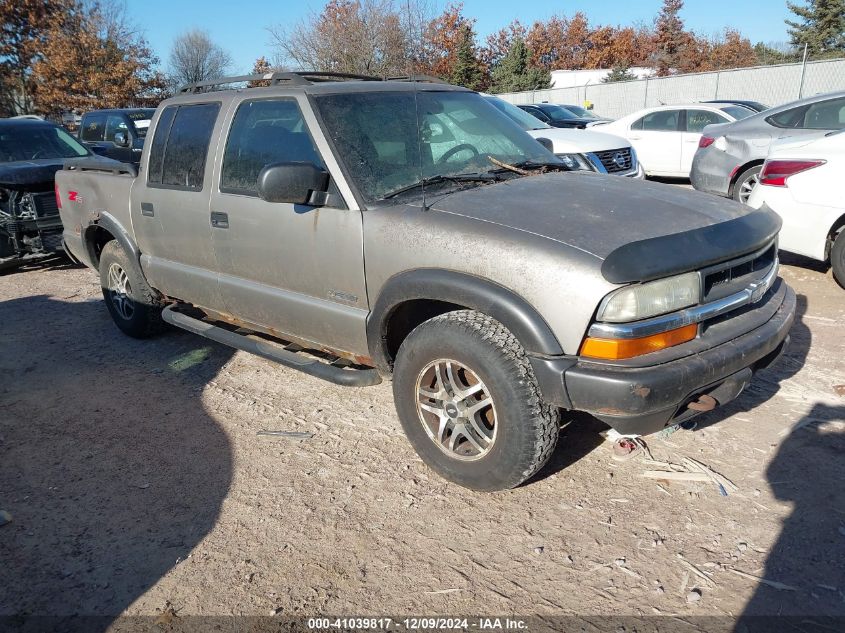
<point x="704" y="403"/>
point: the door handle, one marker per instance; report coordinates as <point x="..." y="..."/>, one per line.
<point x="219" y="220"/>
<point x="635" y="137"/>
<point x="147" y="209"/>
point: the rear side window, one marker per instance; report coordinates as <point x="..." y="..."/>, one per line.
<point x="697" y="120"/>
<point x="180" y="147"/>
<point x="93" y="127"/>
<point x="660" y="121"/>
<point x="823" y="115"/>
<point x="262" y="133"/>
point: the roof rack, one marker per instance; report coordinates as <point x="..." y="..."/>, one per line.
<point x="301" y="78"/>
<point x="418" y="78"/>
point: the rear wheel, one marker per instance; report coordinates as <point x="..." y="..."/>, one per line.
<point x="469" y="403"/>
<point x="133" y="305"/>
<point x="837" y="258"/>
<point x="745" y="183"/>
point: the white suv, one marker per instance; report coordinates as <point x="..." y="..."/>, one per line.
<point x="579" y="149"/>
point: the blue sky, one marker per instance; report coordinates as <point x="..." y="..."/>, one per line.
<point x="240" y="26"/>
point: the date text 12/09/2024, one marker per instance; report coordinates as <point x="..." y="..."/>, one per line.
<point x="417" y="624"/>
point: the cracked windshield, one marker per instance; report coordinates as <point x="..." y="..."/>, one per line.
<point x="459" y="137"/>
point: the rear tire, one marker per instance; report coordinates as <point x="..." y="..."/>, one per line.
<point x="469" y="404"/>
<point x="745" y="183"/>
<point x="837" y="258"/>
<point x="133" y="305"/>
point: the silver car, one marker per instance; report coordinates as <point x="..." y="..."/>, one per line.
<point x="730" y="155"/>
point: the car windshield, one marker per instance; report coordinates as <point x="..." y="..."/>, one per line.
<point x="557" y="113"/>
<point x="33" y="142"/>
<point x="738" y="112"/>
<point x="581" y="112"/>
<point x="390" y="141"/>
<point x="520" y="117"/>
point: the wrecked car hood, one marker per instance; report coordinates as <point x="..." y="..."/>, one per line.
<point x="593" y="213"/>
<point x="32" y="175"/>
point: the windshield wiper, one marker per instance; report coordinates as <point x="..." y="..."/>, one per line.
<point x="526" y="167"/>
<point x="438" y="178"/>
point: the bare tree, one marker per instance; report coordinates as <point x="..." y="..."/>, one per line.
<point x="195" y="57"/>
<point x="375" y="37"/>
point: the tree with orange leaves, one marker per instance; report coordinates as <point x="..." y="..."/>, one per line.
<point x="92" y="59"/>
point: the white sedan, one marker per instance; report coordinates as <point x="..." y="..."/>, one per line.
<point x="801" y="182"/>
<point x="666" y="137"/>
<point x="583" y="150"/>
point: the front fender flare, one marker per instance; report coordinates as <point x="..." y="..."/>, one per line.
<point x="475" y="293"/>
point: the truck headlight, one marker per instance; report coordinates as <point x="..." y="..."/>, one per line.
<point x="575" y="162"/>
<point x="641" y="301"/>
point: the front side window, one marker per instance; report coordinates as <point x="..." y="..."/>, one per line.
<point x="180" y="147"/>
<point x="93" y="128"/>
<point x="660" y="121"/>
<point x="115" y="123"/>
<point x="386" y="147"/>
<point x="264" y="132"/>
<point x="697" y="120"/>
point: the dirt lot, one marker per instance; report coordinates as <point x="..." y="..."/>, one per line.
<point x="136" y="484"/>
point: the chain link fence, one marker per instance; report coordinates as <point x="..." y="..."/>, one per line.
<point x="772" y="85"/>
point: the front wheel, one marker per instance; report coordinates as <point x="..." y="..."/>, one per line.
<point x="133" y="305"/>
<point x="469" y="403"/>
<point x="837" y="258"/>
<point x="746" y="182"/>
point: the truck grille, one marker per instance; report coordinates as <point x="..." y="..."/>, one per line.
<point x="616" y="160"/>
<point x="730" y="277"/>
<point x="45" y="205"/>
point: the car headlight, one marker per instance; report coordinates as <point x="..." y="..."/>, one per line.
<point x="575" y="162"/>
<point x="641" y="301"/>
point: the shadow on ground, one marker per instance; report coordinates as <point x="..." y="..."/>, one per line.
<point x="112" y="469"/>
<point x="809" y="555"/>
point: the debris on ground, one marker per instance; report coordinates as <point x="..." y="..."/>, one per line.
<point x="5" y="517"/>
<point x="694" y="596"/>
<point x="689" y="470"/>
<point x="770" y="583"/>
<point x="296" y="435"/>
<point x="839" y="390"/>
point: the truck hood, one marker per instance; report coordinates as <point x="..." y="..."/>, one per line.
<point x="31" y="175"/>
<point x="572" y="141"/>
<point x="605" y="216"/>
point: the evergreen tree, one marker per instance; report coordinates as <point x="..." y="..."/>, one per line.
<point x="619" y="73"/>
<point x="670" y="37"/>
<point x="467" y="71"/>
<point x="513" y="73"/>
<point x="822" y="26"/>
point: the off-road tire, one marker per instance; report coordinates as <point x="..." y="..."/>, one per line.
<point x="145" y="319"/>
<point x="744" y="177"/>
<point x="527" y="428"/>
<point x="837" y="258"/>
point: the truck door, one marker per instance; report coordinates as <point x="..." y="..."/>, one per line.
<point x="170" y="205"/>
<point x="295" y="269"/>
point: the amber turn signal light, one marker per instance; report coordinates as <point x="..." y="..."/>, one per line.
<point x="618" y="349"/>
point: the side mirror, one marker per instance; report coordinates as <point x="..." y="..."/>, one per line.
<point x="547" y="143"/>
<point x="296" y="183"/>
<point x="121" y="140"/>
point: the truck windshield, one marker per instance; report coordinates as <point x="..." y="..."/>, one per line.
<point x="25" y="142"/>
<point x="389" y="142"/>
<point x="557" y="113"/>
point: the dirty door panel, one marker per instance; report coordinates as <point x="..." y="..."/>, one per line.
<point x="296" y="269"/>
<point x="170" y="213"/>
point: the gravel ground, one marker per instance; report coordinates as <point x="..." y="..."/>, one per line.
<point x="137" y="484"/>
